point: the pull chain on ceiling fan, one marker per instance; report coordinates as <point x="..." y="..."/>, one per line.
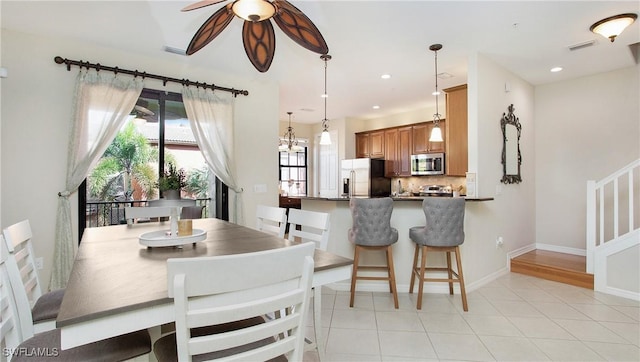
<point x="258" y="35"/>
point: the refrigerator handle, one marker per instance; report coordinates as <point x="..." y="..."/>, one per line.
<point x="352" y="183"/>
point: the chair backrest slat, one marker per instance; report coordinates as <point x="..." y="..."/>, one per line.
<point x="136" y="212"/>
<point x="314" y="226"/>
<point x="16" y="320"/>
<point x="234" y="288"/>
<point x="271" y="219"/>
<point x="18" y="242"/>
<point x="10" y="335"/>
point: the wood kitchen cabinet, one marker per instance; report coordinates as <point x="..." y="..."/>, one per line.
<point x="362" y="145"/>
<point x="370" y="144"/>
<point x="397" y="144"/>
<point x="421" y="133"/>
<point x="376" y="144"/>
<point x="456" y="133"/>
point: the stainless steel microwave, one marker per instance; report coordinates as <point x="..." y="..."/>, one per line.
<point x="427" y="164"/>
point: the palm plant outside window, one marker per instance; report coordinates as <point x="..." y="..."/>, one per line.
<point x="157" y="138"/>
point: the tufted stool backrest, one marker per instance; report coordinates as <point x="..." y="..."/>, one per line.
<point x="372" y="222"/>
<point x="445" y="221"/>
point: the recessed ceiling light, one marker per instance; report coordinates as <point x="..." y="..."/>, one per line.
<point x="376" y="107"/>
<point x="385" y="76"/>
<point x="556" y="69"/>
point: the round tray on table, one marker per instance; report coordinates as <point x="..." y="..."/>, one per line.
<point x="162" y="238"/>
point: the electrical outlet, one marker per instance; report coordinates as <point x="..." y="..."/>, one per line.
<point x="39" y="263"/>
<point x="499" y="242"/>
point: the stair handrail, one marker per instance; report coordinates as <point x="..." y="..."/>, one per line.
<point x="595" y="189"/>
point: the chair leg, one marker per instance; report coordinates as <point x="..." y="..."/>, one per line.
<point x="450" y="272"/>
<point x="413" y="268"/>
<point x="423" y="263"/>
<point x="461" y="279"/>
<point x="392" y="276"/>
<point x="354" y="275"/>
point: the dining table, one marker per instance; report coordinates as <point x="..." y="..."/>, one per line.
<point x="117" y="285"/>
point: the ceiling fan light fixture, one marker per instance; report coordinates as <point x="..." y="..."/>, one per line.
<point x="613" y="26"/>
<point x="253" y="10"/>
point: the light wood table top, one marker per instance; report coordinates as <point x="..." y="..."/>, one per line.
<point x="114" y="274"/>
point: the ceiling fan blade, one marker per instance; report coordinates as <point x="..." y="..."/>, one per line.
<point x="299" y="27"/>
<point x="210" y="29"/>
<point x="259" y="43"/>
<point x="201" y="4"/>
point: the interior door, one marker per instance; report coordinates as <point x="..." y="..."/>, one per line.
<point x="326" y="167"/>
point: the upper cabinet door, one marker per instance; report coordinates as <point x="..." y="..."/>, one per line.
<point x="376" y="144"/>
<point x="362" y="145"/>
<point x="457" y="131"/>
<point x="405" y="147"/>
<point x="420" y="138"/>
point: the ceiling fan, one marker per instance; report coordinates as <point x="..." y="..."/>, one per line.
<point x="258" y="36"/>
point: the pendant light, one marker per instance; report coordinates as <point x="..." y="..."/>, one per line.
<point x="288" y="142"/>
<point x="325" y="138"/>
<point x="436" y="132"/>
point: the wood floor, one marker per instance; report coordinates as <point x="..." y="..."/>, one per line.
<point x="559" y="267"/>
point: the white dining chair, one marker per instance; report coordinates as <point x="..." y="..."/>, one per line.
<point x="271" y="219"/>
<point x="305" y="225"/>
<point x="313" y="226"/>
<point x="191" y="212"/>
<point x="220" y="301"/>
<point x="141" y="213"/>
<point x="44" y="305"/>
<point x="21" y="344"/>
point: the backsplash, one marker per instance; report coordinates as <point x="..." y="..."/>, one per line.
<point x="412" y="184"/>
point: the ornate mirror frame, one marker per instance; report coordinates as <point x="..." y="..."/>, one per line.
<point x="511" y="157"/>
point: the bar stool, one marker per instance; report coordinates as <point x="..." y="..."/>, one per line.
<point x="372" y="230"/>
<point x="444" y="232"/>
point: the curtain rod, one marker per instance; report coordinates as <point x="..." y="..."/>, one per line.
<point x="136" y="73"/>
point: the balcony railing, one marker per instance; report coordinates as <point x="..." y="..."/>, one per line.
<point x="105" y="213"/>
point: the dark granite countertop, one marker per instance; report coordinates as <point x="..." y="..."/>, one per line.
<point x="402" y="198"/>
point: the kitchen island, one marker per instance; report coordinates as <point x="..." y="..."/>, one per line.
<point x="481" y="260"/>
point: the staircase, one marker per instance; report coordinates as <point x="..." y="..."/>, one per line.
<point x="550" y="265"/>
<point x="612" y="230"/>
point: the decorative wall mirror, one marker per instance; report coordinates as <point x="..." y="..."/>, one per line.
<point x="511" y="157"/>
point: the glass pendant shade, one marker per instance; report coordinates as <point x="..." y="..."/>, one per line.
<point x="325" y="138"/>
<point x="436" y="134"/>
<point x="613" y="26"/>
<point x="253" y="10"/>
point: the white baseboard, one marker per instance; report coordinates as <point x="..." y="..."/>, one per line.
<point x="622" y="293"/>
<point x="561" y="249"/>
<point x="431" y="287"/>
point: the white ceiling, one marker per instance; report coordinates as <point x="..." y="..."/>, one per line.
<point x="365" y="39"/>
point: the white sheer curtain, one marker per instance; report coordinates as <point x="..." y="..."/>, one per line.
<point x="102" y="103"/>
<point x="211" y="119"/>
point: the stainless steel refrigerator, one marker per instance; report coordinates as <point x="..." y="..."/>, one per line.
<point x="364" y="177"/>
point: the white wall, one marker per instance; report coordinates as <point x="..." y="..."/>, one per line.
<point x="36" y="112"/>
<point x="511" y="214"/>
<point x="587" y="129"/>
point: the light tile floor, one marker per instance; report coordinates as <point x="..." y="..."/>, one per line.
<point x="514" y="318"/>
